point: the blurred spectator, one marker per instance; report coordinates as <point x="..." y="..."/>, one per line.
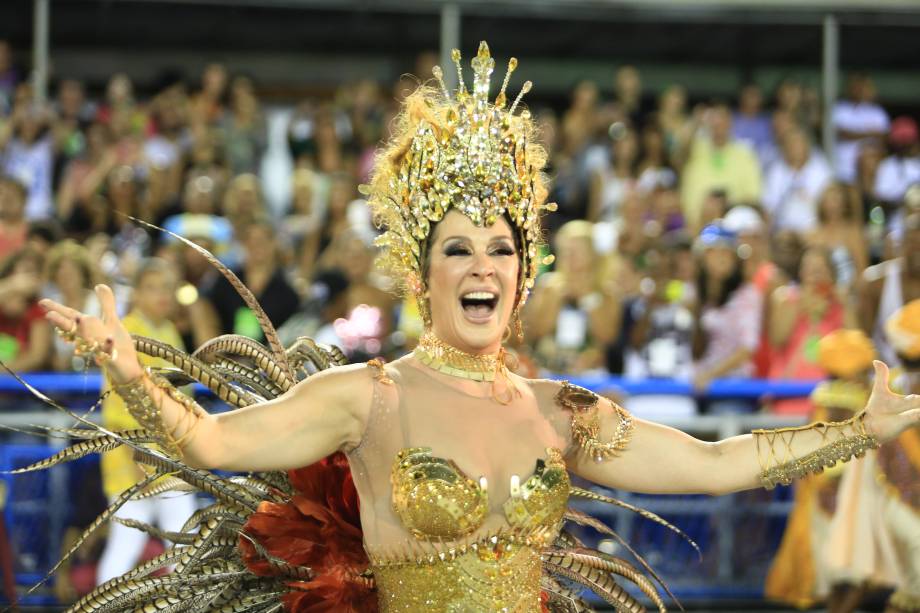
<point x="166" y="148"/>
<point x="730" y="314"/>
<point x="886" y="287"/>
<point x="25" y="336"/>
<point x="840" y="231"/>
<point x="29" y="156"/>
<point x="627" y="95"/>
<point x="207" y="105"/>
<point x="73" y="115"/>
<point x="153" y="303"/>
<point x="793" y="184"/>
<point x="655" y="170"/>
<point x="750" y="123"/>
<point x="858" y="120"/>
<point x="758" y="269"/>
<point x="9" y="77"/>
<point x="306" y="215"/>
<point x="243" y="129"/>
<point x="243" y="202"/>
<point x="715" y="206"/>
<point x="83" y="179"/>
<point x="71" y="277"/>
<point x="674" y="122"/>
<point x="326" y="302"/>
<point x="716" y="161"/>
<point x="342" y="192"/>
<point x="800" y="315"/>
<point x="262" y="273"/>
<point x="867" y="165"/>
<point x="610" y="186"/>
<point x="42" y="235"/>
<point x="571" y="315"/>
<point x="901" y="169"/>
<point x="352" y="254"/>
<point x="660" y="344"/>
<point x="13" y="225"/>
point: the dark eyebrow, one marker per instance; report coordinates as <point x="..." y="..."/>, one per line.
<point x="467" y="238"/>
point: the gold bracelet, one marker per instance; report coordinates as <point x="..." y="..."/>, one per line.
<point x="144" y="408"/>
<point x="841" y="442"/>
<point x="586" y="422"/>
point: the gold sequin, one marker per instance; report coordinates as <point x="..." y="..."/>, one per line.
<point x="586" y="423"/>
<point x="495" y="573"/>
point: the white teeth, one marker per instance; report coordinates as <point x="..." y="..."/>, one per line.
<point x="480" y="296"/>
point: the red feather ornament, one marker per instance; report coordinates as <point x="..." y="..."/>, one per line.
<point x="319" y="527"/>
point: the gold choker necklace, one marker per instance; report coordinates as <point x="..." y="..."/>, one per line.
<point x="438" y="355"/>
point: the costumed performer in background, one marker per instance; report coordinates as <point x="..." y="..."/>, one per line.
<point x="875" y="531"/>
<point x="800" y="574"/>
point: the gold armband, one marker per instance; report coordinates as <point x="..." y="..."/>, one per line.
<point x="586" y="422"/>
<point x="840" y="442"/>
<point x="144" y="408"/>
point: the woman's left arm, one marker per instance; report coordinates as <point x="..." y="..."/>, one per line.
<point x="618" y="451"/>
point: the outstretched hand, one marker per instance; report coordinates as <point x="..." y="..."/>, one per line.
<point x="888" y="414"/>
<point x="106" y="339"/>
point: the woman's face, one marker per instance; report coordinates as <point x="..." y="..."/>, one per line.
<point x="814" y="271"/>
<point x="833" y="205"/>
<point x="719" y="262"/>
<point x="575" y="255"/>
<point x="472" y="282"/>
<point x="70" y="276"/>
<point x="625" y="148"/>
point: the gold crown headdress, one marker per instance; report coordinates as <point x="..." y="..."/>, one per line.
<point x="461" y="152"/>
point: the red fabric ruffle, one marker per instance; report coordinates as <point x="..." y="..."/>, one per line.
<point x="320" y="527"/>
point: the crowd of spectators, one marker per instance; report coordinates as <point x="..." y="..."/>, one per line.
<point x="695" y="240"/>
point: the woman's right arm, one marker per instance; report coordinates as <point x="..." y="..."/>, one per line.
<point x="316" y="417"/>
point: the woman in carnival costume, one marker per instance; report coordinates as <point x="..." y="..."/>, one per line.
<point x="801" y="574"/>
<point x="460" y="468"/>
<point x="875" y="532"/>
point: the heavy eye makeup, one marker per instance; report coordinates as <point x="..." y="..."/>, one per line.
<point x="459" y="248"/>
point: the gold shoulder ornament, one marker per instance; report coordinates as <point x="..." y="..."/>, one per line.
<point x="586" y="423"/>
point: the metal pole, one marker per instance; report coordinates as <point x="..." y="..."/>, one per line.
<point x="830" y="75"/>
<point x="450" y="39"/>
<point x="40" y="23"/>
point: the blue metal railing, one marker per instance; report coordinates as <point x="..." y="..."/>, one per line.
<point x="714" y="521"/>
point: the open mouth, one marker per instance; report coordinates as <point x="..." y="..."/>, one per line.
<point x="479" y="305"/>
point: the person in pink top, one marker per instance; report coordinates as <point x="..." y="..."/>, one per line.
<point x="800" y="315"/>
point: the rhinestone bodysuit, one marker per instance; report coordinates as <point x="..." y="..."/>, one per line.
<point x="437" y="502"/>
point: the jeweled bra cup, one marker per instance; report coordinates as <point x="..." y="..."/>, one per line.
<point x="433" y="498"/>
<point x="436" y="500"/>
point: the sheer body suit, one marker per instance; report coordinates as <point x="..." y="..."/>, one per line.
<point x="458" y="492"/>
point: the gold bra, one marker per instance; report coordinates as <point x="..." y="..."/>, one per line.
<point x="437" y="501"/>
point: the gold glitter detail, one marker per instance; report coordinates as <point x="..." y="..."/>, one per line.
<point x="147" y="412"/>
<point x="586" y="423"/>
<point x="435" y="500"/>
<point x="843" y="440"/>
<point x="497" y="573"/>
<point x="380" y="374"/>
<point x="438" y="355"/>
<point x="463" y="153"/>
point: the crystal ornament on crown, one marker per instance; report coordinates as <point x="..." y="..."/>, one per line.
<point x="465" y="153"/>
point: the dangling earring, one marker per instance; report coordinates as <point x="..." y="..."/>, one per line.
<point x="424" y="310"/>
<point x="517" y="324"/>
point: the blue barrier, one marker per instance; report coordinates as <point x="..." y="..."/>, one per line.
<point x="732" y="567"/>
<point x="91" y="383"/>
